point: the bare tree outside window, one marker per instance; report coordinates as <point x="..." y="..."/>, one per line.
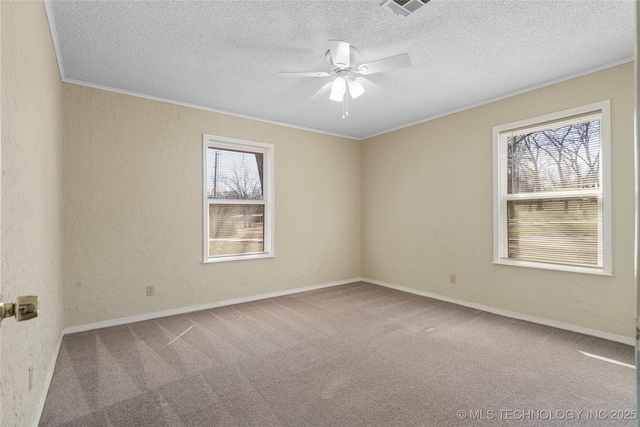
<point x="234" y="175"/>
<point x="555" y="159"/>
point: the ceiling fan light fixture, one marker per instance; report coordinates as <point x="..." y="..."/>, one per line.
<point x="338" y="89"/>
<point x="348" y="82"/>
<point x="355" y="88"/>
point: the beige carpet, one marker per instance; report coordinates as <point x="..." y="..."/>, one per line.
<point x="352" y="355"/>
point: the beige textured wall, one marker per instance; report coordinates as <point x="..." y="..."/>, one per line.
<point x="133" y="208"/>
<point x="427" y="210"/>
<point x="31" y="203"/>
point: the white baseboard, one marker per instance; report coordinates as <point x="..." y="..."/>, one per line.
<point x="189" y="309"/>
<point x="605" y="335"/>
<point x="47" y="381"/>
<point x="512" y="314"/>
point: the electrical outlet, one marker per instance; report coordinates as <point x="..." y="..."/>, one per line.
<point x="151" y="290"/>
<point x="452" y="279"/>
<point x="30" y="378"/>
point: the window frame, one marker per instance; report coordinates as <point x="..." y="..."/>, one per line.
<point x="268" y="191"/>
<point x="500" y="239"/>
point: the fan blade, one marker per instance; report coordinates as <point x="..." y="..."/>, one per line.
<point x="324" y="90"/>
<point x="370" y="87"/>
<point x="340" y="53"/>
<point x="386" y="64"/>
<point x="304" y="74"/>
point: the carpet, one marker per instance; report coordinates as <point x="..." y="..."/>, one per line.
<point x="350" y="355"/>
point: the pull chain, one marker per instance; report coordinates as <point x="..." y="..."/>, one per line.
<point x="345" y="106"/>
<point x="346" y="103"/>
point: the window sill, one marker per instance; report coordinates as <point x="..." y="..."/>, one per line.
<point x="238" y="257"/>
<point x="556" y="267"/>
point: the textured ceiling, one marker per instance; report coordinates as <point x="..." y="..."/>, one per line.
<point x="225" y="56"/>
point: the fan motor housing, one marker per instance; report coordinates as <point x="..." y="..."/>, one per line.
<point x="353" y="54"/>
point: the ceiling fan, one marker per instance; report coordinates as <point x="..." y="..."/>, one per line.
<point x="348" y="81"/>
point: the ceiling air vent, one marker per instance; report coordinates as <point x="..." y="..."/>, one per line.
<point x="404" y="7"/>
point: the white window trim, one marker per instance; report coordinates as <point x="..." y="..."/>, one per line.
<point x="268" y="189"/>
<point x="499" y="225"/>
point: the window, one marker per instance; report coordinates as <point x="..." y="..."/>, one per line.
<point x="552" y="191"/>
<point x="238" y="199"/>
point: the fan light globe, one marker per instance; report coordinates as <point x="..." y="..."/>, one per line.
<point x="338" y="89"/>
<point x="355" y="88"/>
